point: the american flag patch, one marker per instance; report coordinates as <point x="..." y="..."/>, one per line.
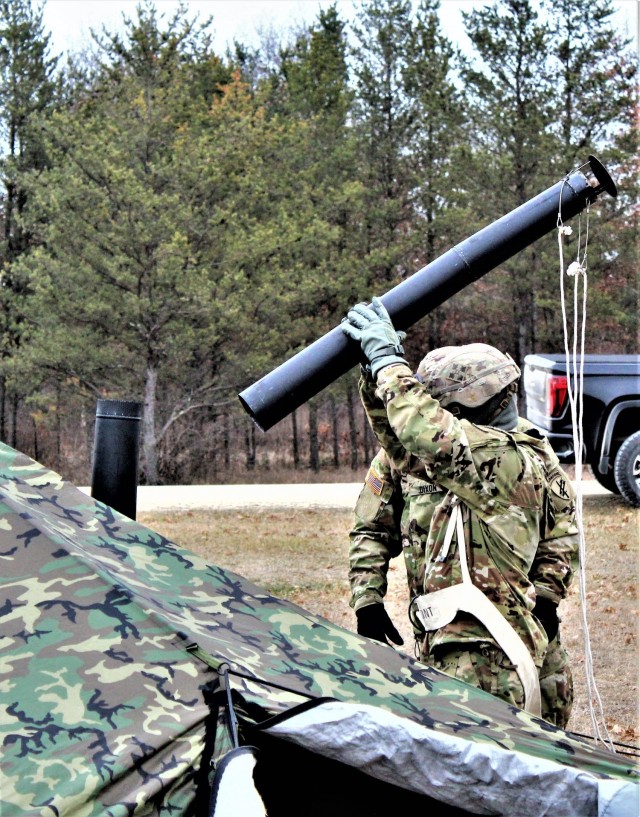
<point x="374" y="482"/>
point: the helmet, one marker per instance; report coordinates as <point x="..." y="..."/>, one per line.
<point x="468" y="375"/>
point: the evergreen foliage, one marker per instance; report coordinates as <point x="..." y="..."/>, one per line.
<point x="177" y="222"/>
<point x="28" y="89"/>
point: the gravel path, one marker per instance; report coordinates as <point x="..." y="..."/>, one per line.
<point x="228" y="497"/>
<point x="338" y="495"/>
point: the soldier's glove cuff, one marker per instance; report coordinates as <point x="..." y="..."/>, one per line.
<point x="374" y="622"/>
<point x="546" y="611"/>
<point x="365" y="371"/>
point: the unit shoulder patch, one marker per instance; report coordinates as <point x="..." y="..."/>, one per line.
<point x="559" y="485"/>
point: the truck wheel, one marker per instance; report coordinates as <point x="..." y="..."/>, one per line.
<point x="627" y="469"/>
<point x="607" y="480"/>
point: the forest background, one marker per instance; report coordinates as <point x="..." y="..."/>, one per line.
<point x="176" y="222"/>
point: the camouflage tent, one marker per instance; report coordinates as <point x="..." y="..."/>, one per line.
<point x="120" y="653"/>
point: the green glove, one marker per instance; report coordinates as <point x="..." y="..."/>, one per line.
<point x="372" y="327"/>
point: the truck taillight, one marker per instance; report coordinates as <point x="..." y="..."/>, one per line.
<point x="556" y="395"/>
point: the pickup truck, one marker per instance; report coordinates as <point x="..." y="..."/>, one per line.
<point x="611" y="414"/>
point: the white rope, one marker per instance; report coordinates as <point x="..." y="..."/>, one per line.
<point x="575" y="390"/>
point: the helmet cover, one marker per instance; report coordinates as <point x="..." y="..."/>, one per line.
<point x="469" y="375"/>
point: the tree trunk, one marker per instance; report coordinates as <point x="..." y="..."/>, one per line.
<point x="58" y="427"/>
<point x="353" y="432"/>
<point x="523" y="300"/>
<point x="225" y="442"/>
<point x="13" y="433"/>
<point x="250" y="445"/>
<point x="212" y="464"/>
<point x="434" y="321"/>
<point x="335" y="431"/>
<point x="36" y="448"/>
<point x="295" y="443"/>
<point x="149" y="441"/>
<point x="314" y="455"/>
<point x="3" y="404"/>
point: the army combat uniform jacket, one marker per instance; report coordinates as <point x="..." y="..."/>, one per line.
<point x="518" y="512"/>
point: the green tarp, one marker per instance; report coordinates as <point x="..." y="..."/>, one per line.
<point x="110" y="702"/>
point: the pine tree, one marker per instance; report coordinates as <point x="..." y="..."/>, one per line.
<point x="122" y="290"/>
<point x="594" y="76"/>
<point x="314" y="70"/>
<point x="436" y="117"/>
<point x="27" y="89"/>
<point x="436" y="137"/>
<point x="596" y="112"/>
<point x="314" y="90"/>
<point x="382" y="119"/>
<point x="509" y="86"/>
<point x="409" y="119"/>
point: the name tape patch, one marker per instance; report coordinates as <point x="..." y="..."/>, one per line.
<point x="429" y="488"/>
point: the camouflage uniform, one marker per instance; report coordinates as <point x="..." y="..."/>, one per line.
<point x="519" y="526"/>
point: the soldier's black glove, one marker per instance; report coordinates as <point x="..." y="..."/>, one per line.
<point x="546" y="611"/>
<point x="374" y="622"/>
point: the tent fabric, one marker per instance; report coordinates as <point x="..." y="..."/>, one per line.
<point x="481" y="779"/>
<point x="110" y="640"/>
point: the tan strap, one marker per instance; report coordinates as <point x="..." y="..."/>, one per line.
<point x="439" y="608"/>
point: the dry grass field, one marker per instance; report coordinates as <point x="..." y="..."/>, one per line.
<point x="302" y="556"/>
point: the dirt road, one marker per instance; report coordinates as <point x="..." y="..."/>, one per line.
<point x="338" y="495"/>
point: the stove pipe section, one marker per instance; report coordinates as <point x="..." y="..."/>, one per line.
<point x="277" y="394"/>
<point x="115" y="455"/>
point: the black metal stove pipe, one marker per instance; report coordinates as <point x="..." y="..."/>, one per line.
<point x="115" y="455"/>
<point x="295" y="381"/>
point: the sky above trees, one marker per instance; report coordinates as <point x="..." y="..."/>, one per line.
<point x="70" y="21"/>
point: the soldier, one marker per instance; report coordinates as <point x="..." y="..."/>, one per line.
<point x="476" y="501"/>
